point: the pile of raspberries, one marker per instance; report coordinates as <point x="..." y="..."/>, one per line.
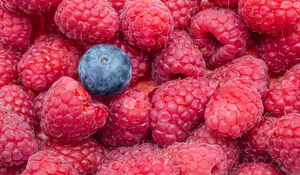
<point x="215" y="88"/>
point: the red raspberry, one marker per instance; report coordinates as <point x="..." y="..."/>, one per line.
<point x="38" y="104"/>
<point x="146" y="23"/>
<point x="220" y="34"/>
<point x="284" y="96"/>
<point x="225" y="3"/>
<point x="16" y="139"/>
<point x="198" y="158"/>
<point x="182" y="11"/>
<point x="128" y="122"/>
<point x="15" y="30"/>
<point x="178" y="106"/>
<point x="257" y="168"/>
<point x="180" y="57"/>
<point x="270" y="16"/>
<point x="203" y="135"/>
<point x="48" y="163"/>
<point x="234" y="108"/>
<point x="246" y="67"/>
<point x="84" y="156"/>
<point x="284" y="143"/>
<point x="69" y="114"/>
<point x="8" y="68"/>
<point x="281" y="52"/>
<point x="139" y="60"/>
<point x="91" y="21"/>
<point x="15" y="99"/>
<point x="46" y="61"/>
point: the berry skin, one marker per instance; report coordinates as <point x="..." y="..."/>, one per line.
<point x="182" y="11"/>
<point x="220" y="34"/>
<point x="16" y="139"/>
<point x="234" y="108"/>
<point x="128" y="122"/>
<point x="90" y="21"/>
<point x="68" y="112"/>
<point x="284" y="96"/>
<point x="257" y="168"/>
<point x="84" y="156"/>
<point x="15" y="30"/>
<point x="17" y="100"/>
<point x="48" y="163"/>
<point x="281" y="52"/>
<point x="198" y="158"/>
<point x="38" y="103"/>
<point x="105" y="70"/>
<point x="180" y="57"/>
<point x="8" y="68"/>
<point x="178" y="106"/>
<point x="203" y="135"/>
<point x="246" y="67"/>
<point x="226" y="3"/>
<point x="46" y="61"/>
<point x="284" y="143"/>
<point x="270" y="16"/>
<point x="146" y="23"/>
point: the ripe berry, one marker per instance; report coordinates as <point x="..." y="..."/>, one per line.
<point x="8" y="67"/>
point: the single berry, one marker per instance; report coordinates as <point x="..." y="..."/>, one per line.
<point x="46" y="61"/>
<point x="178" y="106"/>
<point x="257" y="168"/>
<point x="8" y="67"/>
<point x="38" y="104"/>
<point x="220" y="34"/>
<point x="284" y="96"/>
<point x="270" y="16"/>
<point x="281" y="52"/>
<point x="68" y="112"/>
<point x="234" y="108"/>
<point x="105" y="70"/>
<point x="90" y="21"/>
<point x="180" y="58"/>
<point x="146" y="23"/>
<point x="226" y="3"/>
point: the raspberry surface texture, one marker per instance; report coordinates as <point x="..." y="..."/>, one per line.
<point x="257" y="168"/>
<point x="38" y="104"/>
<point x="8" y="67"/>
<point x="31" y="6"/>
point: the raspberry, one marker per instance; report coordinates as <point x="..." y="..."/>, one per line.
<point x="182" y="11"/>
<point x="281" y="52"/>
<point x="91" y="21"/>
<point x="8" y="68"/>
<point x="270" y="16"/>
<point x="128" y="122"/>
<point x="19" y="101"/>
<point x="220" y="34"/>
<point x="38" y="104"/>
<point x="180" y="57"/>
<point x="234" y="108"/>
<point x="84" y="156"/>
<point x="178" y="106"/>
<point x="15" y="30"/>
<point x="69" y="114"/>
<point x="225" y="3"/>
<point x="48" y="163"/>
<point x="284" y="96"/>
<point x="257" y="168"/>
<point x="198" y="158"/>
<point x="16" y="139"/>
<point x="139" y="60"/>
<point x="284" y="141"/>
<point x="46" y="61"/>
<point x="146" y="23"/>
<point x="246" y="67"/>
<point x="203" y="135"/>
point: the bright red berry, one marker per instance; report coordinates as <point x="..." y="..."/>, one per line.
<point x="257" y="168"/>
<point x="8" y="67"/>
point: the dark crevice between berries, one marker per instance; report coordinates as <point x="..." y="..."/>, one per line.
<point x="178" y="76"/>
<point x="216" y="43"/>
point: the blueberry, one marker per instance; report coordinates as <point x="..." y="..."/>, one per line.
<point x="105" y="70"/>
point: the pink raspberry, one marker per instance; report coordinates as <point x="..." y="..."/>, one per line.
<point x="220" y="34"/>
<point x="281" y="52"/>
<point x="270" y="16"/>
<point x="146" y="23"/>
<point x="257" y="168"/>
<point x="68" y="112"/>
<point x="179" y="57"/>
<point x="234" y="108"/>
<point x="90" y="21"/>
<point x="178" y="106"/>
<point x="225" y="3"/>
<point x="46" y="61"/>
<point x="8" y="67"/>
<point x="284" y="96"/>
